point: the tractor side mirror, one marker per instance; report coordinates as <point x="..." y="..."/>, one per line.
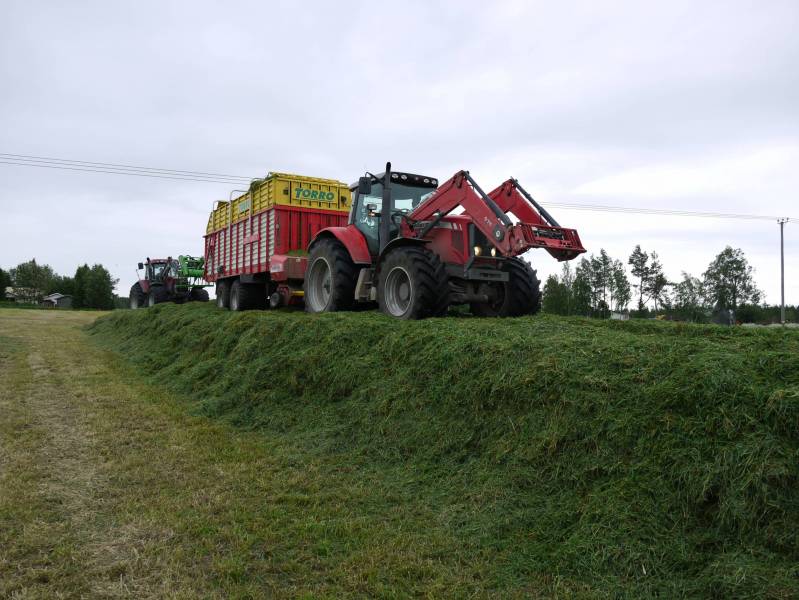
<point x="141" y="266"/>
<point x="364" y="186"/>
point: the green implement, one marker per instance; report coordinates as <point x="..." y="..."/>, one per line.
<point x="191" y="266"/>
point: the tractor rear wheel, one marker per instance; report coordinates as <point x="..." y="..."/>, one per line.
<point x="222" y="294"/>
<point x="518" y="296"/>
<point x="198" y="294"/>
<point x="157" y="295"/>
<point x="247" y="296"/>
<point x="137" y="298"/>
<point x="330" y="278"/>
<point x="412" y="284"/>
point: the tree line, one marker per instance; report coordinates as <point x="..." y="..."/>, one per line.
<point x="90" y="287"/>
<point x="599" y="285"/>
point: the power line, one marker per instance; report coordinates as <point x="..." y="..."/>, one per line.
<point x="135" y="174"/>
<point x="116" y="166"/>
<point x="24" y="160"/>
<point x="658" y="211"/>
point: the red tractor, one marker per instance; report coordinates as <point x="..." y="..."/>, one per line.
<point x="404" y="249"/>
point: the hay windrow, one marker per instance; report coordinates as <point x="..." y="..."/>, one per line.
<point x="638" y="457"/>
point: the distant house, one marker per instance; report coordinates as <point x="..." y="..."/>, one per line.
<point x="21" y="295"/>
<point x="620" y="316"/>
<point x="57" y="301"/>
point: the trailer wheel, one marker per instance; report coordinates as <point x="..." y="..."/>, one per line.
<point x="520" y="295"/>
<point x="137" y="298"/>
<point x="412" y="284"/>
<point x="222" y="294"/>
<point x="330" y="279"/>
<point x="198" y="294"/>
<point x="157" y="295"/>
<point x="253" y="296"/>
<point x="247" y="296"/>
<point x="236" y="301"/>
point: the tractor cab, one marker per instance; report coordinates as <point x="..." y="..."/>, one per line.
<point x="407" y="192"/>
<point x="158" y="269"/>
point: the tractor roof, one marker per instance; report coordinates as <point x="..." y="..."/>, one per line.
<point x="405" y="179"/>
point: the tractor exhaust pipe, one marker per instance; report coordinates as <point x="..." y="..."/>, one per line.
<point x="386" y="210"/>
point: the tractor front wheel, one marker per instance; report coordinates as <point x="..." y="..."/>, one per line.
<point x="137" y="298"/>
<point x="330" y="279"/>
<point x="518" y="296"/>
<point x="412" y="284"/>
<point x="157" y="295"/>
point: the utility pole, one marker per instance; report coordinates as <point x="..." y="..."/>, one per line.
<point x="782" y="222"/>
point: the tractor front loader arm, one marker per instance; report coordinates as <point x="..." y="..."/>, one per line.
<point x="489" y="213"/>
<point x="462" y="190"/>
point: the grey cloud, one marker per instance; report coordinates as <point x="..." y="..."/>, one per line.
<point x="558" y="95"/>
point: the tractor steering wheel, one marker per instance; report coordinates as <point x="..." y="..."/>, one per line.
<point x="398" y="214"/>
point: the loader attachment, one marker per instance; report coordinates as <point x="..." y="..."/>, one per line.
<point x="537" y="228"/>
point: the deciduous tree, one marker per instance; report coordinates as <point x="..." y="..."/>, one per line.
<point x="98" y="288"/>
<point x="32" y="279"/>
<point x="620" y="285"/>
<point x="639" y="262"/>
<point x="729" y="280"/>
<point x="656" y="283"/>
<point x="689" y="298"/>
<point x="80" y="282"/>
<point x="5" y="282"/>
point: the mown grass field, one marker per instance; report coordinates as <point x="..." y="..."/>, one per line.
<point x="184" y="452"/>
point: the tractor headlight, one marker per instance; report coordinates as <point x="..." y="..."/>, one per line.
<point x="477" y="250"/>
<point x="493" y="251"/>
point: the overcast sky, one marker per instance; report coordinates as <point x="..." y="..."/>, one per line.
<point x="690" y="105"/>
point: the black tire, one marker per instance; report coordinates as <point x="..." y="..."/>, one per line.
<point x="223" y="294"/>
<point x="330" y="278"/>
<point x="520" y="295"/>
<point x="247" y="296"/>
<point x="257" y="297"/>
<point x="198" y="294"/>
<point x="157" y="295"/>
<point x="412" y="284"/>
<point x="137" y="298"/>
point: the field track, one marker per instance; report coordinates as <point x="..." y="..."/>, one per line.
<point x="109" y="489"/>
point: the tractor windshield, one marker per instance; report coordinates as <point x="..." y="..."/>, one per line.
<point x="157" y="271"/>
<point x="406" y="198"/>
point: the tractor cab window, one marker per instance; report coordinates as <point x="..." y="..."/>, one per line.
<point x="406" y="198"/>
<point x="157" y="271"/>
<point x="368" y="223"/>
